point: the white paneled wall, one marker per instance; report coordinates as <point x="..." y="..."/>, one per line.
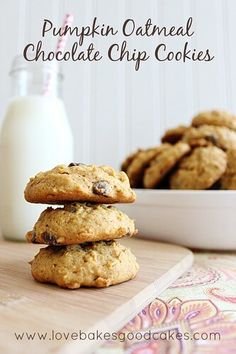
<point x="112" y="108"/>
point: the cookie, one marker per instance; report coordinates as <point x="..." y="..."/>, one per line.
<point x="174" y="135"/>
<point x="217" y="118"/>
<point x="125" y="164"/>
<point x="96" y="264"/>
<point x="206" y="135"/>
<point x="163" y="163"/>
<point x="79" y="183"/>
<point x="135" y="170"/>
<point x="228" y="181"/>
<point x="78" y="223"/>
<point x="200" y="170"/>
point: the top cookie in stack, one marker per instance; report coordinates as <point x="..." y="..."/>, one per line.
<point x="199" y="156"/>
<point x="79" y="183"/>
<point x="81" y="235"/>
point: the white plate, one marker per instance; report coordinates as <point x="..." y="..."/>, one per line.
<point x="197" y="219"/>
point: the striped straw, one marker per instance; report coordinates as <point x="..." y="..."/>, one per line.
<point x="59" y="48"/>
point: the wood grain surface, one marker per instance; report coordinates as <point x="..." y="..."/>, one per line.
<point x="28" y="306"/>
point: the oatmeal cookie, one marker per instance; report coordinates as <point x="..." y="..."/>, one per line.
<point x="136" y="169"/>
<point x="200" y="170"/>
<point x="125" y="164"/>
<point x="79" y="183"/>
<point x="78" y="223"/>
<point x="228" y="181"/>
<point x="215" y="117"/>
<point x="206" y="135"/>
<point x="93" y="264"/>
<point x="174" y="135"/>
<point x="163" y="163"/>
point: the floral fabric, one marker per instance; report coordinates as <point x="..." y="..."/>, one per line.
<point x="200" y="303"/>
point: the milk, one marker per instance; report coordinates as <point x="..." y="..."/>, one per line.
<point x="35" y="136"/>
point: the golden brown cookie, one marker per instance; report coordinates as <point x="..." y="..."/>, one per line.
<point x="174" y="135"/>
<point x="96" y="264"/>
<point x="206" y="135"/>
<point x="78" y="223"/>
<point x="228" y="181"/>
<point x="79" y="183"/>
<point x="215" y="117"/>
<point x="163" y="163"/>
<point x="125" y="164"/>
<point x="135" y="170"/>
<point x="200" y="170"/>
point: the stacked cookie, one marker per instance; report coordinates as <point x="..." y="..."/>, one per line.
<point x="82" y="250"/>
<point x="201" y="156"/>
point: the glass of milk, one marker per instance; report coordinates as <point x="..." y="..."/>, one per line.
<point x="35" y="136"/>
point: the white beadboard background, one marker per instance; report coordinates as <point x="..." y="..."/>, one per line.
<point x="113" y="109"/>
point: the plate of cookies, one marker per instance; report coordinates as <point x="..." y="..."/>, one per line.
<point x="186" y="185"/>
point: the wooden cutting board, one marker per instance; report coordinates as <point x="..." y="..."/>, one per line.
<point x="28" y="306"/>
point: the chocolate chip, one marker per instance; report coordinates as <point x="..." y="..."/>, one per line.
<point x="108" y="242"/>
<point x="90" y="204"/>
<point x="102" y="188"/>
<point x="49" y="239"/>
<point x="212" y="139"/>
<point x="71" y="208"/>
<point x="87" y="245"/>
<point x="58" y="248"/>
<point x="76" y="164"/>
<point x="34" y="238"/>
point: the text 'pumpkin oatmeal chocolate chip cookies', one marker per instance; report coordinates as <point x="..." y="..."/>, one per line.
<point x="163" y="163"/>
<point x="80" y="235"/>
<point x="78" y="223"/>
<point x="200" y="170"/>
<point x="79" y="183"/>
<point x="96" y="264"/>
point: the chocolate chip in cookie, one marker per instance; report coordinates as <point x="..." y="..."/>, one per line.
<point x="102" y="188"/>
<point x="72" y="164"/>
<point x="71" y="207"/>
<point x="49" y="239"/>
<point x="34" y="237"/>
